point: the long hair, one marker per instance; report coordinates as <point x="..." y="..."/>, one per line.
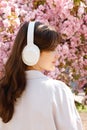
<point x="13" y="83"/>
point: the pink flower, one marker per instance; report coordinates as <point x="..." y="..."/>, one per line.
<point x="6" y="23"/>
<point x="72" y="53"/>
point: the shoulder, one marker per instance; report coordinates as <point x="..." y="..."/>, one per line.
<point x="57" y="84"/>
<point x="58" y="87"/>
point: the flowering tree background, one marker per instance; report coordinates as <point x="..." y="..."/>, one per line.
<point x="69" y="17"/>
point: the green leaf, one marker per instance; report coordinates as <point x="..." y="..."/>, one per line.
<point x="38" y="2"/>
<point x="82" y="38"/>
<point x="74" y="11"/>
<point x="77" y="2"/>
<point x="76" y="76"/>
<point x="85" y="57"/>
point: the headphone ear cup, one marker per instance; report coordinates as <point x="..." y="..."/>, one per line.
<point x="30" y="55"/>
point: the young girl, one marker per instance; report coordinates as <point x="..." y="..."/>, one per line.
<point x="29" y="100"/>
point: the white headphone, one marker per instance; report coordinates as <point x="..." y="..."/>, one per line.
<point x="31" y="52"/>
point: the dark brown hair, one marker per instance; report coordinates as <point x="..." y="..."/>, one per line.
<point x="14" y="82"/>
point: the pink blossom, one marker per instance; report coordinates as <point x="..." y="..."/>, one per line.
<point x="6" y="23"/>
<point x="72" y="61"/>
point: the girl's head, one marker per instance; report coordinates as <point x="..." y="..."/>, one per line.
<point x="45" y="38"/>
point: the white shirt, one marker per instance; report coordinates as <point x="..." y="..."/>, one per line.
<point x="46" y="104"/>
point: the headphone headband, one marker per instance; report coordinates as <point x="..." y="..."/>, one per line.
<point x="30" y="33"/>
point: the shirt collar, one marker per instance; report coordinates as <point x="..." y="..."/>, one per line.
<point x="34" y="74"/>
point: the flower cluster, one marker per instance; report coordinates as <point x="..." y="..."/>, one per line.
<point x="69" y="17"/>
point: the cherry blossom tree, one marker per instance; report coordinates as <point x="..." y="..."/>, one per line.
<point x="69" y="17"/>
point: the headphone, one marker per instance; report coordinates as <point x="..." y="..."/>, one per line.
<point x="31" y="52"/>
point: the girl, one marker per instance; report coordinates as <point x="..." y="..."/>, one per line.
<point x="29" y="100"/>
